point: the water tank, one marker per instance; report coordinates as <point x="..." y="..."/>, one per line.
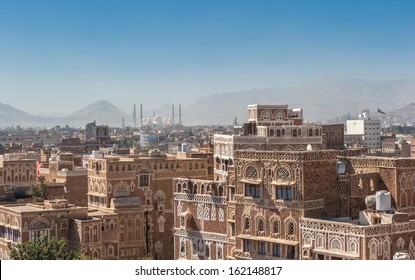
<point x="383" y="201"/>
<point x="341" y="167"/>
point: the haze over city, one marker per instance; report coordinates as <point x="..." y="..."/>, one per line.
<point x="56" y="55"/>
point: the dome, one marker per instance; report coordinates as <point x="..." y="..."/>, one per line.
<point x="157" y="119"/>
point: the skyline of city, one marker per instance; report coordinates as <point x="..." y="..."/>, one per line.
<point x="159" y="52"/>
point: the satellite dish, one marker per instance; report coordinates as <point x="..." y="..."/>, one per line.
<point x="65" y="189"/>
<point x="309" y="147"/>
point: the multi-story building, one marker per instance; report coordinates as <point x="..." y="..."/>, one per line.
<point x="264" y="197"/>
<point x="130" y="199"/>
<point x="27" y="222"/>
<point x="364" y="131"/>
<point x="17" y="175"/>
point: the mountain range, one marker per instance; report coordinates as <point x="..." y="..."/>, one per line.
<point x="321" y="98"/>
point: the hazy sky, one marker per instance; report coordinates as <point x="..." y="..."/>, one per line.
<point x="58" y="56"/>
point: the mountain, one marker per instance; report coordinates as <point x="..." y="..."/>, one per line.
<point x="321" y="98"/>
<point x="103" y="112"/>
<point x="12" y="116"/>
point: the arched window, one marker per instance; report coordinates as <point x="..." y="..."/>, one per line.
<point x="403" y="182"/>
<point x="207" y="251"/>
<point x="275" y="226"/>
<point x="373" y="249"/>
<point x="291" y="228"/>
<point x="400" y="244"/>
<point x="247" y="223"/>
<point x="261" y="224"/>
<point x="266" y="116"/>
<point x="251" y="172"/>
<point x="282" y="174"/>
<point x="336" y="245"/>
<point x="320" y="242"/>
<point x="353" y="246"/>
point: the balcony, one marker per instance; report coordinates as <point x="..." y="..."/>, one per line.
<point x="238" y="254"/>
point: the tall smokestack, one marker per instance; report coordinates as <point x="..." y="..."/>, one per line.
<point x="141" y="114"/>
<point x="172" y="113"/>
<point x="134" y="117"/>
<point x="180" y="114"/>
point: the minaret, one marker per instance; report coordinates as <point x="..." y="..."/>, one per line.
<point x="134" y="117"/>
<point x="172" y="113"/>
<point x="141" y="114"/>
<point x="180" y="114"/>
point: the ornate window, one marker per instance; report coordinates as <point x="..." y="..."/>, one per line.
<point x="121" y="190"/>
<point x="194" y="248"/>
<point x="247" y="224"/>
<point x="161" y="222"/>
<point x="400" y="244"/>
<point x="220" y="251"/>
<point x="251" y="172"/>
<point x="336" y="245"/>
<point x="221" y="215"/>
<point x="199" y="210"/>
<point x="213" y="213"/>
<point x="266" y="116"/>
<point x="38" y="228"/>
<point x="282" y="174"/>
<point x="207" y="251"/>
<point x="353" y="246"/>
<point x="182" y="248"/>
<point x="207" y="210"/>
<point x="411" y="250"/>
<point x="320" y="242"/>
<point x="291" y="228"/>
<point x="179" y="208"/>
<point x="110" y="250"/>
<point x="373" y="249"/>
<point x="261" y="226"/>
<point x="403" y="182"/>
<point x="279" y="115"/>
<point x="275" y="226"/>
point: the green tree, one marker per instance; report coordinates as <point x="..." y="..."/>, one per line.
<point x="39" y="191"/>
<point x="43" y="249"/>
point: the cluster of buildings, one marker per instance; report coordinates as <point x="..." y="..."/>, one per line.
<point x="277" y="188"/>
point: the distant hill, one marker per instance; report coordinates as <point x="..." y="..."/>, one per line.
<point x="12" y="116"/>
<point x="321" y="99"/>
<point x="102" y="111"/>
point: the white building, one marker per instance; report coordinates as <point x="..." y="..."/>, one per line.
<point x="365" y="129"/>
